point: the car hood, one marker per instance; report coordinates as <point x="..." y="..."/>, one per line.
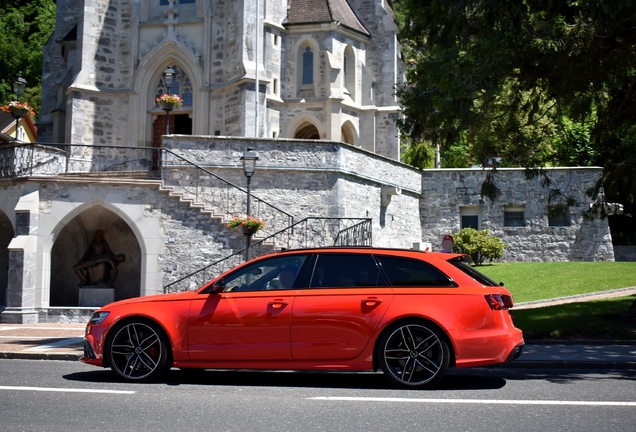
<point x="153" y="298"/>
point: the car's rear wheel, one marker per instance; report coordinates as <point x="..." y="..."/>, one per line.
<point x="413" y="354"/>
<point x="138" y="350"/>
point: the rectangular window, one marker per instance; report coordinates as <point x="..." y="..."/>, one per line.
<point x="346" y="271"/>
<point x="558" y="215"/>
<point x="469" y="217"/>
<point x="514" y="216"/>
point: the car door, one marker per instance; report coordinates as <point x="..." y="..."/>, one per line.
<point x="336" y="314"/>
<point x="250" y="319"/>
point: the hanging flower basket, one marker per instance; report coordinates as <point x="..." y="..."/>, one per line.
<point x="18" y="109"/>
<point x="246" y="225"/>
<point x="169" y="101"/>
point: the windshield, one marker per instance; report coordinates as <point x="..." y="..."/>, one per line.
<point x="472" y="272"/>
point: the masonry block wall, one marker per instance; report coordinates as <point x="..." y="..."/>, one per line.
<point x="448" y="194"/>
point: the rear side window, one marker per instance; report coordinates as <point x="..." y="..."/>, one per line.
<point x="472" y="272"/>
<point x="346" y="271"/>
<point x="405" y="272"/>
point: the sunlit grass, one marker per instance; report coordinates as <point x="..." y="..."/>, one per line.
<point x="602" y="319"/>
<point x="530" y="281"/>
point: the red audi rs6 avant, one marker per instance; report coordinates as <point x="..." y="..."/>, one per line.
<point x="411" y="314"/>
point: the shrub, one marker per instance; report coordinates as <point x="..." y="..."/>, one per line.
<point x="478" y="245"/>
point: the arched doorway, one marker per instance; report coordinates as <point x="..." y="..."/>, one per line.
<point x="73" y="241"/>
<point x="6" y="234"/>
<point x="307" y="131"/>
<point x="180" y="120"/>
<point x="348" y="133"/>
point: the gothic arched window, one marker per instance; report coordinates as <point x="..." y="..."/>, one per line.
<point x="181" y="85"/>
<point x="308" y="66"/>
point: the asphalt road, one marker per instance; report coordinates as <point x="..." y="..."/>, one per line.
<point x="63" y="396"/>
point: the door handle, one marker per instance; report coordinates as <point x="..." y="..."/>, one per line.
<point x="370" y="302"/>
<point x="277" y="304"/>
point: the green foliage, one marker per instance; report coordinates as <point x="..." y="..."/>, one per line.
<point x="419" y="155"/>
<point x="479" y="245"/>
<point x="25" y="26"/>
<point x="537" y="83"/>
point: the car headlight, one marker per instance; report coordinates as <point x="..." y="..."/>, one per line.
<point x="98" y="317"/>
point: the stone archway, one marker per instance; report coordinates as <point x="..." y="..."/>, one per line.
<point x="307" y="131"/>
<point x="72" y="242"/>
<point x="6" y="234"/>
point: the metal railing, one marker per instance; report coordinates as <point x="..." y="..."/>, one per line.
<point x="307" y="233"/>
<point x="37" y="159"/>
<point x="179" y="176"/>
<point x="217" y="195"/>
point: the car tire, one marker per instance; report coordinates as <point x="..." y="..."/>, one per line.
<point x="138" y="350"/>
<point x="413" y="354"/>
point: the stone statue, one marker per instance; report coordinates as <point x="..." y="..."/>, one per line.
<point x="98" y="266"/>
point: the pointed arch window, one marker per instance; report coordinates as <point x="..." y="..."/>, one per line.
<point x="181" y="85"/>
<point x="308" y="66"/>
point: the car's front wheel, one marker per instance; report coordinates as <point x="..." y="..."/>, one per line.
<point x="138" y="350"/>
<point x="413" y="354"/>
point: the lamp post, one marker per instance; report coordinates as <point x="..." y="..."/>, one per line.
<point x="249" y="159"/>
<point x="19" y="84"/>
<point x="168" y="74"/>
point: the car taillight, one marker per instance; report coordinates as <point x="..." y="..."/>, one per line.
<point x="499" y="301"/>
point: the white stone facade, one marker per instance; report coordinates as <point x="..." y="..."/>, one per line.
<point x="103" y="70"/>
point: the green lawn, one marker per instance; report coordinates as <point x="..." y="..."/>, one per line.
<point x="601" y="319"/>
<point x="544" y="280"/>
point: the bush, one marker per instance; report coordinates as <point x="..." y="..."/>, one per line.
<point x="478" y="245"/>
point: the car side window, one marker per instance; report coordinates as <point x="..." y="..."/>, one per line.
<point x="346" y="271"/>
<point x="405" y="272"/>
<point x="271" y="274"/>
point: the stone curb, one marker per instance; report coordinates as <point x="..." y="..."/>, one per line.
<point x="562" y="364"/>
<point x="40" y="356"/>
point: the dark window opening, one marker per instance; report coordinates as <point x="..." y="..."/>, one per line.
<point x="404" y="272"/>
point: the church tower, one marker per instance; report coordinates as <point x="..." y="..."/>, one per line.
<point x="324" y="69"/>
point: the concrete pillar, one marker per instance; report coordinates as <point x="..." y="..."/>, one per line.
<point x="23" y="264"/>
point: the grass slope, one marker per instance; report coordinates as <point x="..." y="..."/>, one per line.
<point x="600" y="319"/>
<point x="545" y="280"/>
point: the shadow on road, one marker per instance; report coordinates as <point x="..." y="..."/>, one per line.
<point x="250" y="378"/>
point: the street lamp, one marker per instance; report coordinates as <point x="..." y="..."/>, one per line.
<point x="19" y="84"/>
<point x="168" y="75"/>
<point x="249" y="159"/>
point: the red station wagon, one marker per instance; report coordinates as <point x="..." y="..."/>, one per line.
<point x="411" y="314"/>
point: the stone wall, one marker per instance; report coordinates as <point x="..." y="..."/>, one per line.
<point x="448" y="193"/>
<point x="319" y="178"/>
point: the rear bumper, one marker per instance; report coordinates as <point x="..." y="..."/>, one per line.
<point x="516" y="352"/>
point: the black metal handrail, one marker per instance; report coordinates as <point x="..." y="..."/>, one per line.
<point x="216" y="194"/>
<point x="307" y="233"/>
<point x="179" y="176"/>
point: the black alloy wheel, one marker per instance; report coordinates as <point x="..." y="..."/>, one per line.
<point x="138" y="350"/>
<point x="413" y="354"/>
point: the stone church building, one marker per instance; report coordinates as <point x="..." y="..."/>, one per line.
<point x="120" y="198"/>
<point x="325" y="69"/>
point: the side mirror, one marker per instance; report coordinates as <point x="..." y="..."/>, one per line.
<point x="501" y="284"/>
<point x="219" y="286"/>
